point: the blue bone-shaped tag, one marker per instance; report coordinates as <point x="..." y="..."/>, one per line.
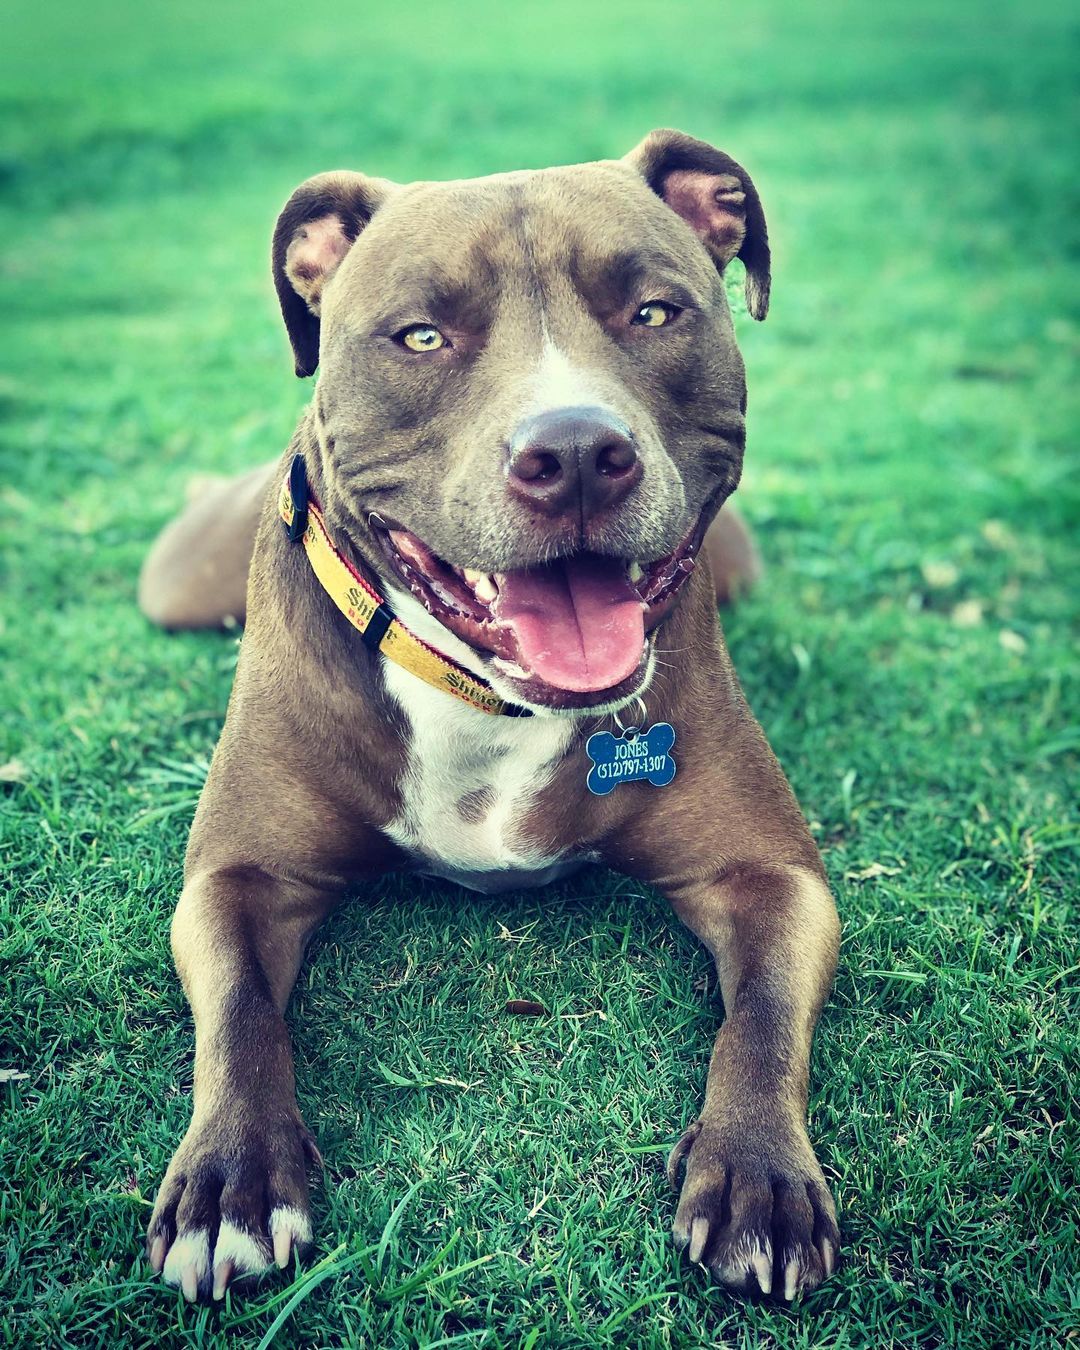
<point x="630" y="758"/>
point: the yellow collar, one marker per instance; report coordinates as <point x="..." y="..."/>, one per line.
<point x="367" y="611"/>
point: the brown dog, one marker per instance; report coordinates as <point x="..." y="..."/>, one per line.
<point x="529" y="411"/>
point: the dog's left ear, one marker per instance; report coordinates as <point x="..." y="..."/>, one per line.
<point x="717" y="199"/>
<point x="317" y="227"/>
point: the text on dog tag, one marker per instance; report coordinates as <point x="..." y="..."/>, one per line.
<point x="633" y="757"/>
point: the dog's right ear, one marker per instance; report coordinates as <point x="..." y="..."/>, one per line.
<point x="717" y="199"/>
<point x="317" y="227"/>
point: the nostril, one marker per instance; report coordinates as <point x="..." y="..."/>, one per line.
<point x="537" y="466"/>
<point x="547" y="467"/>
<point x="616" y="459"/>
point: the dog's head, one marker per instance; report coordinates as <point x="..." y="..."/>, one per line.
<point x="530" y="402"/>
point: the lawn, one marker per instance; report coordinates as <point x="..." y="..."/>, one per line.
<point x="494" y="1181"/>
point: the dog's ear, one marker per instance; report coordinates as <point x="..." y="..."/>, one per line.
<point x="717" y="199"/>
<point x="317" y="227"/>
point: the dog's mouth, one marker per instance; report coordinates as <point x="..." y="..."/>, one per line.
<point x="576" y="625"/>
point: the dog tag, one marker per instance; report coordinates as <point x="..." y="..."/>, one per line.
<point x="630" y="758"/>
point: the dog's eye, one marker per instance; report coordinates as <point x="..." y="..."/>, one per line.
<point x="654" y="314"/>
<point x="421" y="337"/>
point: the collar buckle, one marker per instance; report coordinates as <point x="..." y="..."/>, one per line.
<point x="298" y="491"/>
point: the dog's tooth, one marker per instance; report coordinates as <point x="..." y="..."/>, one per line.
<point x="483" y="587"/>
<point x="635" y="571"/>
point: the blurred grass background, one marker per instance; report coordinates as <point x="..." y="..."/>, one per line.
<point x="912" y="477"/>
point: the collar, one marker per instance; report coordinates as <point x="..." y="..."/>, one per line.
<point x="365" y="608"/>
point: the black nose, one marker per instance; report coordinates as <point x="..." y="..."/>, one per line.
<point x="572" y="460"/>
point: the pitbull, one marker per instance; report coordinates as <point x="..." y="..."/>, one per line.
<point x="470" y="582"/>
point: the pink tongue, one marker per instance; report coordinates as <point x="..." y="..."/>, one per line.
<point x="579" y="624"/>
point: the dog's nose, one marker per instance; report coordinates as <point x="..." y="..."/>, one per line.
<point x="572" y="459"/>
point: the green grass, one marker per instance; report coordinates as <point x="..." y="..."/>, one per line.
<point x="494" y="1181"/>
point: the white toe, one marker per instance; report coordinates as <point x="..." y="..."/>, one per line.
<point x="190" y="1251"/>
<point x="239" y="1247"/>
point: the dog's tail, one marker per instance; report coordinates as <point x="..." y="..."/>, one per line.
<point x="195" y="575"/>
<point x="733" y="556"/>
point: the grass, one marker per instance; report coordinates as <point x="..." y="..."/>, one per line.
<point x="492" y="1181"/>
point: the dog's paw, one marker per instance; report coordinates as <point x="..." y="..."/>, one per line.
<point x="234" y="1203"/>
<point x="758" y="1217"/>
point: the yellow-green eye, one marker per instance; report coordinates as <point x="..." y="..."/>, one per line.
<point x="422" y="338"/>
<point x="654" y="314"/>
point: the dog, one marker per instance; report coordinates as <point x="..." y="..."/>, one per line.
<point x="482" y="643"/>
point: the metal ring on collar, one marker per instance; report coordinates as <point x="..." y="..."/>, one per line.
<point x="634" y="728"/>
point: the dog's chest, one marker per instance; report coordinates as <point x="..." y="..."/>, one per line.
<point x="469" y="784"/>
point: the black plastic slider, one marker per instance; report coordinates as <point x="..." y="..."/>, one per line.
<point x="298" y="491"/>
<point x="379" y="622"/>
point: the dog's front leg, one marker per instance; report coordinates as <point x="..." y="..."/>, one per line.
<point x="235" y="1197"/>
<point x="754" y="1203"/>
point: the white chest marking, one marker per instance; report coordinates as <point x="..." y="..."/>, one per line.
<point x="455" y="750"/>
